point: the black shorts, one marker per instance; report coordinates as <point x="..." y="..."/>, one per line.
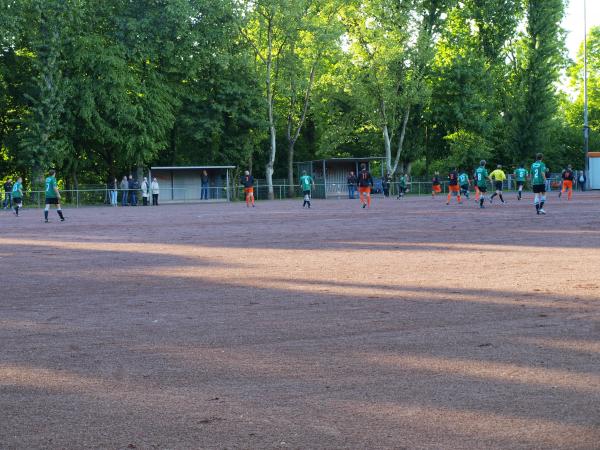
<point x="51" y="201"/>
<point x="17" y="200"/>
<point x="305" y="192"/>
<point x="482" y="189"/>
<point x="539" y="188"/>
<point x="498" y="185"/>
<point x="520" y="184"/>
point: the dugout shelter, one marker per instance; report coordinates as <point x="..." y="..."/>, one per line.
<point x="183" y="184"/>
<point x="593" y="170"/>
<point x="330" y="174"/>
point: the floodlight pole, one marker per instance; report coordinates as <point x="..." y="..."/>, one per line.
<point x="586" y="128"/>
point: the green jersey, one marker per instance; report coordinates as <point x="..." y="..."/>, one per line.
<point x="17" y="190"/>
<point x="521" y="174"/>
<point x="50" y="185"/>
<point x="538" y="169"/>
<point x="402" y="181"/>
<point x="306" y="182"/>
<point x="463" y="179"/>
<point x="481" y="175"/>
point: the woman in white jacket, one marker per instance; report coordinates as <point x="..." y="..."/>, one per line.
<point x="145" y="188"/>
<point x="155" y="192"/>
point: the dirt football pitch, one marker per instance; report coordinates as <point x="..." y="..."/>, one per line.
<point x="410" y="325"/>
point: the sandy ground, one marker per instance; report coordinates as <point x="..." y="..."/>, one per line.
<point x="410" y="325"/>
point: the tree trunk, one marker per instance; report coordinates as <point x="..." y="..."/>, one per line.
<point x="293" y="139"/>
<point x="401" y="140"/>
<point x="387" y="143"/>
<point x="291" y="188"/>
<point x="272" y="131"/>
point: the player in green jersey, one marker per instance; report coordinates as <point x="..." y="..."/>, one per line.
<point x="402" y="186"/>
<point x="307" y="184"/>
<point x="464" y="183"/>
<point x="481" y="179"/>
<point x="520" y="177"/>
<point x="52" y="196"/>
<point x="17" y="195"/>
<point x="538" y="182"/>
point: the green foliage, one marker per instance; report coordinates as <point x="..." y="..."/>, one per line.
<point x="97" y="89"/>
<point x="466" y="150"/>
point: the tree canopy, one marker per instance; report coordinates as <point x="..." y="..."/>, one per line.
<point x="96" y="89"/>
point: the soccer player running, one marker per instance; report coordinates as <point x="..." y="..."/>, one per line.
<point x="481" y="179"/>
<point x="567" y="182"/>
<point x="17" y="195"/>
<point x="464" y="183"/>
<point x="476" y="186"/>
<point x="453" y="188"/>
<point x="307" y="184"/>
<point x="401" y="186"/>
<point x="248" y="183"/>
<point x="538" y="182"/>
<point x="436" y="184"/>
<point x="498" y="176"/>
<point x="520" y="177"/>
<point x="52" y="196"/>
<point x="365" y="183"/>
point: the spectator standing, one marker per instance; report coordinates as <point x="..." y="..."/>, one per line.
<point x="204" y="181"/>
<point x="133" y="188"/>
<point x="582" y="180"/>
<point x="8" y="185"/>
<point x="155" y="191"/>
<point x="352" y="182"/>
<point x="386" y="182"/>
<point x="145" y="190"/>
<point x="548" y="181"/>
<point x="113" y="186"/>
<point x="125" y="190"/>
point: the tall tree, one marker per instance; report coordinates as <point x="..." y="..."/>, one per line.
<point x="537" y="58"/>
<point x="392" y="45"/>
<point x="309" y="50"/>
<point x="268" y="28"/>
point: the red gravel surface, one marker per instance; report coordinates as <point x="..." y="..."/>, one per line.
<point x="410" y="325"/>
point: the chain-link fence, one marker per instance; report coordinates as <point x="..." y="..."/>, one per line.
<point x="105" y="196"/>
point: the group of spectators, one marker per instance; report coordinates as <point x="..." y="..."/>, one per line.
<point x="130" y="188"/>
